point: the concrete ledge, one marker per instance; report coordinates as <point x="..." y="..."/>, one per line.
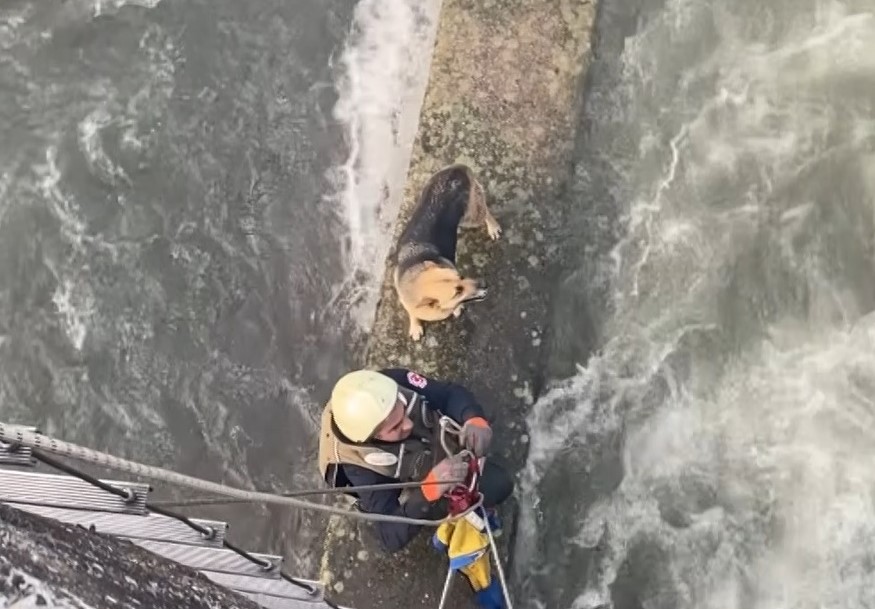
<point x="504" y="96"/>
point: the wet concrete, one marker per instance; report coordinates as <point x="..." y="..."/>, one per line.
<point x="504" y="97"/>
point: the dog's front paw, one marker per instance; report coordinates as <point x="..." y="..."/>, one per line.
<point x="494" y="230"/>
<point x="458" y="310"/>
<point x="415" y="331"/>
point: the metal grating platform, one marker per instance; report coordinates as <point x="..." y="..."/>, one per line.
<point x="74" y="501"/>
<point x="16" y="455"/>
<point x="255" y="585"/>
<point x="214" y="559"/>
<point x="135" y="527"/>
<point x="65" y="491"/>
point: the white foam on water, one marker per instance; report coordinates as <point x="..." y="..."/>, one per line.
<point x="383" y="73"/>
<point x="91" y="144"/>
<point x="73" y="298"/>
<point x="786" y="445"/>
<point x="75" y="304"/>
<point x="65" y="208"/>
<point x="109" y="7"/>
<point x="5" y="184"/>
<point x="148" y="105"/>
<point x="752" y="472"/>
<point x="136" y="118"/>
<point x="11" y="21"/>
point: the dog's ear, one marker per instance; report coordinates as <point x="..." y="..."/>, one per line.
<point x="428" y="302"/>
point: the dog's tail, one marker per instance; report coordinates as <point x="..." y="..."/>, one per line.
<point x="476" y="200"/>
<point x="478" y="193"/>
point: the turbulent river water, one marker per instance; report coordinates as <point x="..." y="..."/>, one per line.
<point x="194" y="198"/>
<point x="715" y="449"/>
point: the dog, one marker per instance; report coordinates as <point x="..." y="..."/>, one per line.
<point x="427" y="282"/>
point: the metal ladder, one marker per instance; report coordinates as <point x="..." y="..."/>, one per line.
<point x="74" y="501"/>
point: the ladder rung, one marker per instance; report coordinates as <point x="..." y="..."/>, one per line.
<point x="260" y="585"/>
<point x="213" y="559"/>
<point x="66" y="491"/>
<point x="132" y="526"/>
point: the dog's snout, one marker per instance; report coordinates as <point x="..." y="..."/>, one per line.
<point x="480" y="291"/>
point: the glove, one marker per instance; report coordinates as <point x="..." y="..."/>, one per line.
<point x="443" y="477"/>
<point x="476" y="436"/>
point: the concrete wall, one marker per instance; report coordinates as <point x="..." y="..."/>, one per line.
<point x="504" y="96"/>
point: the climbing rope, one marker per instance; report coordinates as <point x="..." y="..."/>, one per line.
<point x="501" y="579"/>
<point x="484" y="519"/>
<point x="361" y="488"/>
<point x="463" y="496"/>
<point x="15" y="434"/>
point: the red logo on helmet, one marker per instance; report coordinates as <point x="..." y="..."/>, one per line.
<point x="416" y="380"/>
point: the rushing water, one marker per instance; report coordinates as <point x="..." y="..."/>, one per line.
<point x="193" y="203"/>
<point x="194" y="198"/>
<point x="717" y="447"/>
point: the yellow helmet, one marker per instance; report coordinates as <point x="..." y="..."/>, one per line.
<point x="360" y="401"/>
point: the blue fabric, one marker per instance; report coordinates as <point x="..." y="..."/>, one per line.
<point x="467" y="550"/>
<point x="463" y="560"/>
<point x="494" y="522"/>
<point x="491" y="597"/>
<point x="462" y="542"/>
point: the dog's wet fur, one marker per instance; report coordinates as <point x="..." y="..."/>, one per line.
<point x="428" y="284"/>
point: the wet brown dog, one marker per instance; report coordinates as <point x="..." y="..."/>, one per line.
<point x="426" y="279"/>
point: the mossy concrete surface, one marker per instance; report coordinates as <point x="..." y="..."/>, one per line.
<point x="504" y="96"/>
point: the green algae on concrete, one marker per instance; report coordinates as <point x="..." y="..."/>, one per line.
<point x="504" y="96"/>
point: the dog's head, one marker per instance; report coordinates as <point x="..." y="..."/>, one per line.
<point x="445" y="289"/>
